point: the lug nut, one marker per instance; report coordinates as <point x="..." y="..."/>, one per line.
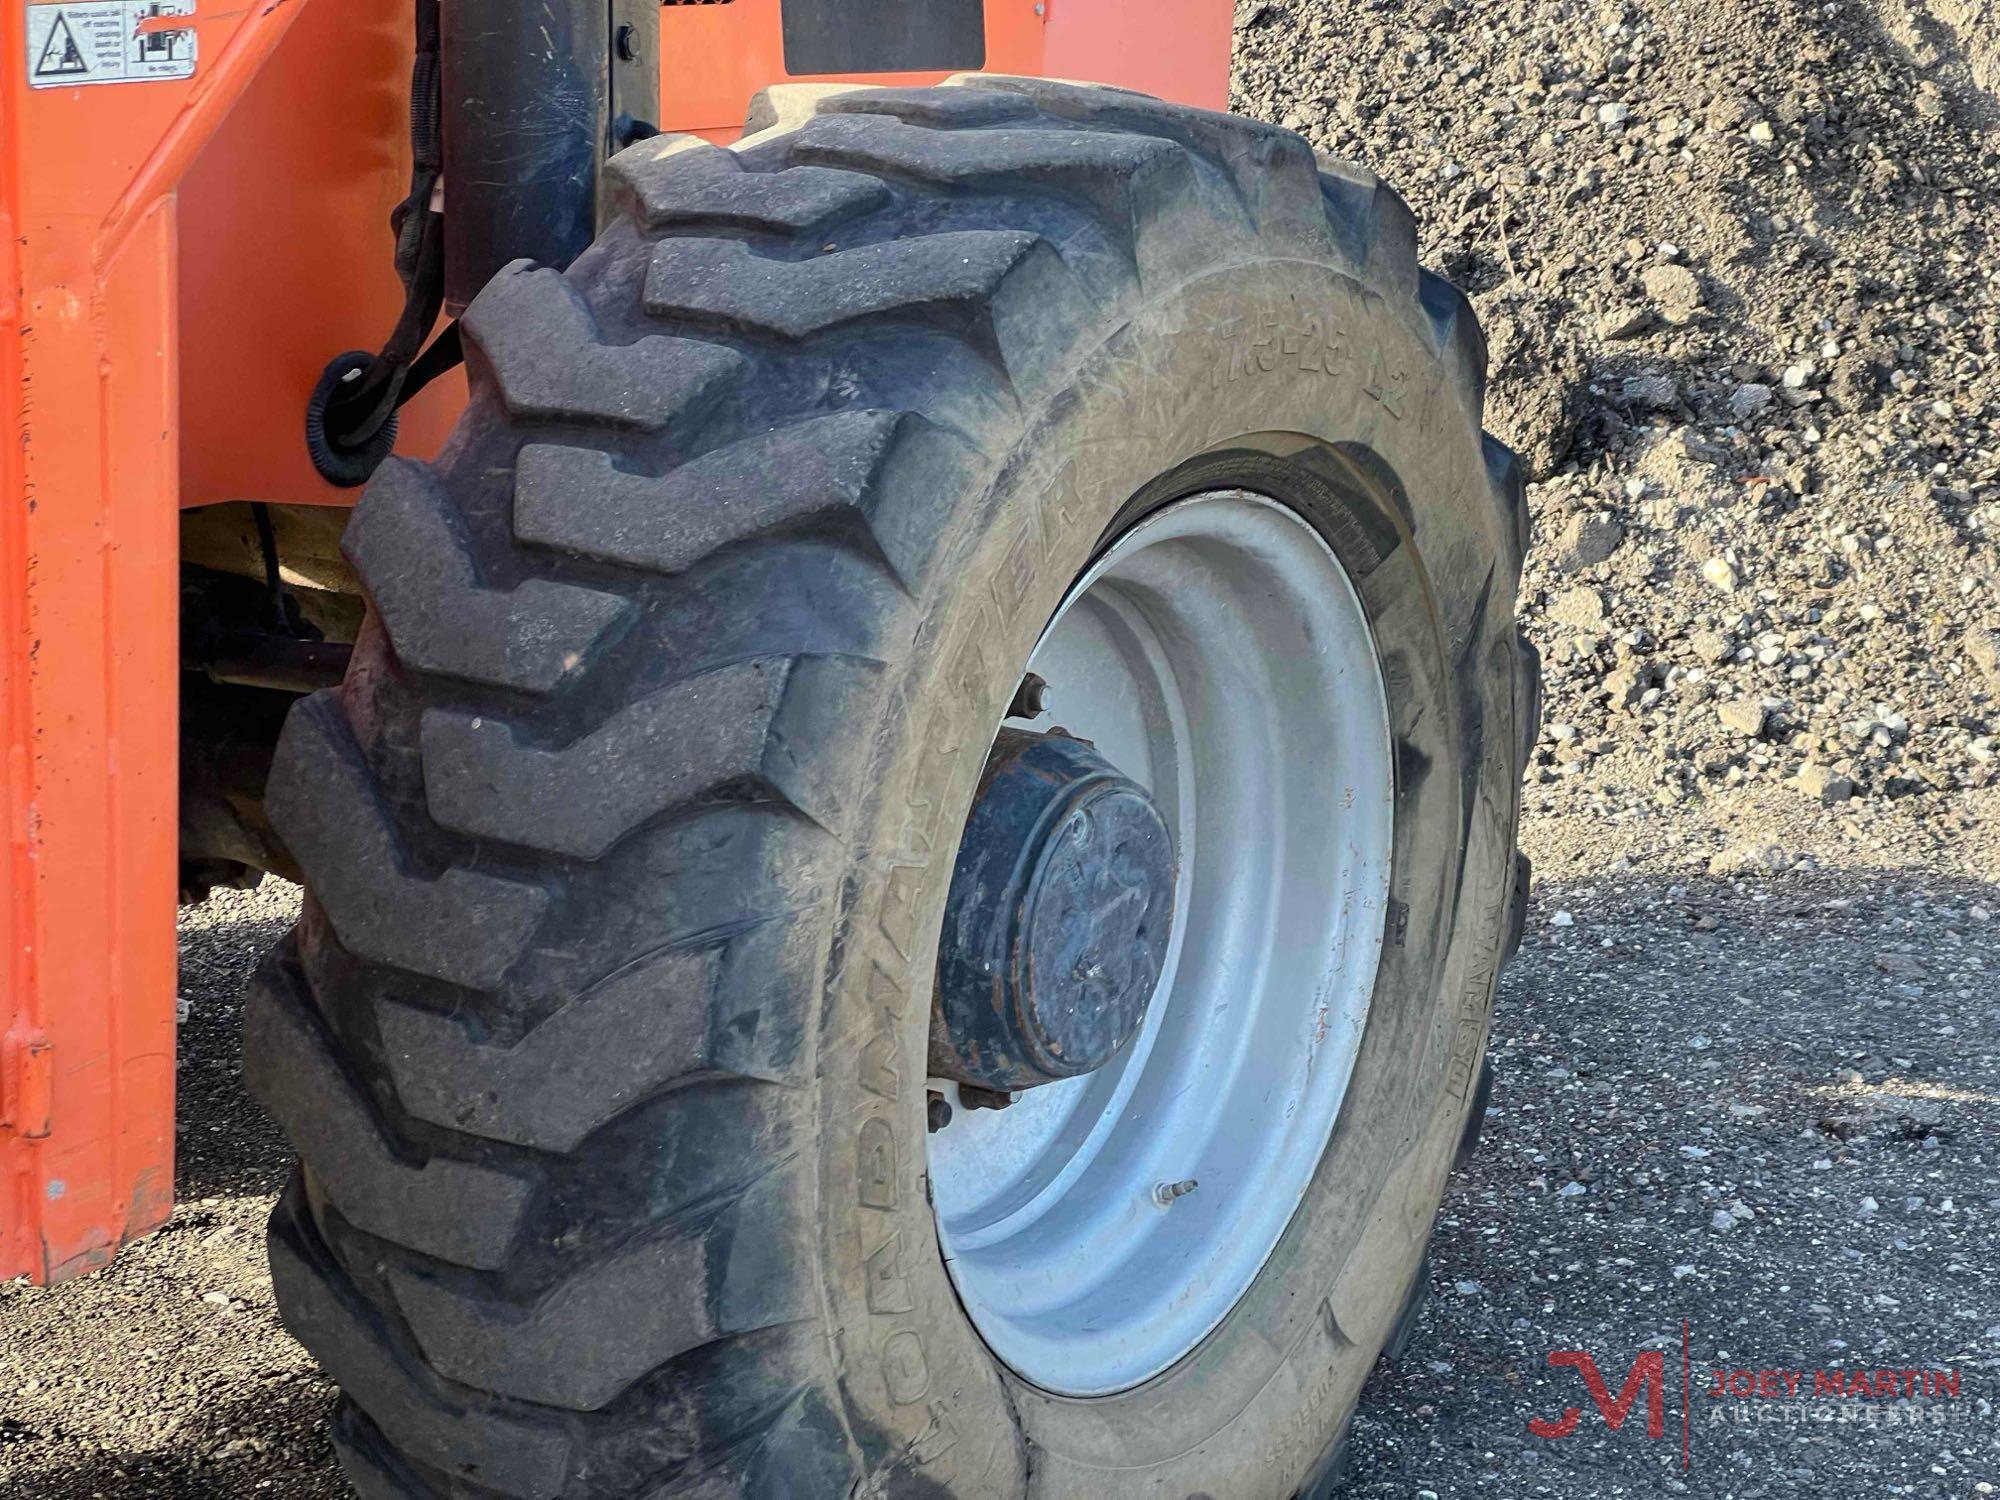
<point x="1031" y="698"/>
<point x="939" y="1112"/>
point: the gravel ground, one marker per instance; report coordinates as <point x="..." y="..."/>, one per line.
<point x="1769" y="1109"/>
<point x="1810" y="1057"/>
<point x="168" y="1374"/>
<point x="1735" y="265"/>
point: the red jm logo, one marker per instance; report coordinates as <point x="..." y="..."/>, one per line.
<point x="1649" y="1373"/>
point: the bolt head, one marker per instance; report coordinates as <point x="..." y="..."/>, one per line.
<point x="1031" y="698"/>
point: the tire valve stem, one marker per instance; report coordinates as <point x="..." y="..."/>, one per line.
<point x="1166" y="1192"/>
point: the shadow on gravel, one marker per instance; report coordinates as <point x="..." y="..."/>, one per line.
<point x="268" y="1444"/>
<point x="226" y="1145"/>
<point x="1768" y="1109"/>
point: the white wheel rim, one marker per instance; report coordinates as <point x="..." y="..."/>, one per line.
<point x="1218" y="654"/>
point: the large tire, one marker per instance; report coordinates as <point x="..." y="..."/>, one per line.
<point x="603" y="1035"/>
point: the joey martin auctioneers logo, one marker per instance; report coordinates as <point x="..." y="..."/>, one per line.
<point x="1744" y="1395"/>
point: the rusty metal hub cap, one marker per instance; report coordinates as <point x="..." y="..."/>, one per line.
<point x="1219" y="664"/>
<point x="1056" y="927"/>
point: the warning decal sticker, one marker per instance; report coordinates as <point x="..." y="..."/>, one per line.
<point x="108" y="41"/>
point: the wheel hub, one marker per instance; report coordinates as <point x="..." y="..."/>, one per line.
<point x="1057" y="922"/>
<point x="1218" y="655"/>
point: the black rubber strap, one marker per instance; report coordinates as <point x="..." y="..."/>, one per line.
<point x="445" y="353"/>
<point x="426" y="143"/>
<point x="361" y="407"/>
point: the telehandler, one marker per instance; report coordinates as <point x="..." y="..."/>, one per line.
<point x="905" y="773"/>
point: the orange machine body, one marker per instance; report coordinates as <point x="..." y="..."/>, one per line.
<point x="179" y="257"/>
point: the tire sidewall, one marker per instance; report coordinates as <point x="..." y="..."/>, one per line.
<point x="1292" y="379"/>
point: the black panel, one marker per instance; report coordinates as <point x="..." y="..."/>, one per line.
<point x="884" y="36"/>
